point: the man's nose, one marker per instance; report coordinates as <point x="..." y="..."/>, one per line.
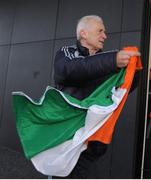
<point x="104" y="35"/>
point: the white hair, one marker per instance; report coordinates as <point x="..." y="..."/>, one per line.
<point x="83" y="23"/>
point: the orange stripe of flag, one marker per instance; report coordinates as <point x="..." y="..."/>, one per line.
<point x="104" y="134"/>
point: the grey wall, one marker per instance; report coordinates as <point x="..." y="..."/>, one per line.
<point x="30" y="33"/>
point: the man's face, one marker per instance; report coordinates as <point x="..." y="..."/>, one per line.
<point x="95" y="35"/>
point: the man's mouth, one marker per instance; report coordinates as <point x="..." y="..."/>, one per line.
<point x="102" y="42"/>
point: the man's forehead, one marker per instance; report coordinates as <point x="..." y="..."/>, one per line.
<point x="99" y="24"/>
<point x="93" y="23"/>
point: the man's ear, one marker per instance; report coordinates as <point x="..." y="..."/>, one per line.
<point x="83" y="34"/>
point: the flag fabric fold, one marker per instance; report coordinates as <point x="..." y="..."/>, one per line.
<point x="55" y="129"/>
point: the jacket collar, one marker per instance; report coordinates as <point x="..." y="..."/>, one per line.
<point x="83" y="50"/>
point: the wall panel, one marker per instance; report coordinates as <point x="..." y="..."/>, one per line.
<point x="131" y="39"/>
<point x="34" y="20"/>
<point x="132" y="15"/>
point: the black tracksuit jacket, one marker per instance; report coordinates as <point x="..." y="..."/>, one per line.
<point x="78" y="74"/>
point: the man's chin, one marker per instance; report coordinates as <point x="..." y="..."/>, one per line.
<point x="101" y="46"/>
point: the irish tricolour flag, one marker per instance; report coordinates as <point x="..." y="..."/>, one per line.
<point x="55" y="130"/>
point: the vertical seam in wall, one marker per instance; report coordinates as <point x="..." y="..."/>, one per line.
<point x="7" y="66"/>
<point x="112" y="145"/>
<point x="53" y="43"/>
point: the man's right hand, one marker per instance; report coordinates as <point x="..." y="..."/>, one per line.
<point x="123" y="57"/>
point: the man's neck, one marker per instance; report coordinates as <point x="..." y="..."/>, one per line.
<point x="91" y="50"/>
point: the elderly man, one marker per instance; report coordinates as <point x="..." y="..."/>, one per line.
<point x="80" y="68"/>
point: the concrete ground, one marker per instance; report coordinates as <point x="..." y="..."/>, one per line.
<point x="13" y="165"/>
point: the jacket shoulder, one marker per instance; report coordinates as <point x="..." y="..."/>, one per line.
<point x="71" y="48"/>
<point x="71" y="52"/>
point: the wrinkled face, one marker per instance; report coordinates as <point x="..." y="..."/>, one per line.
<point x="94" y="35"/>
